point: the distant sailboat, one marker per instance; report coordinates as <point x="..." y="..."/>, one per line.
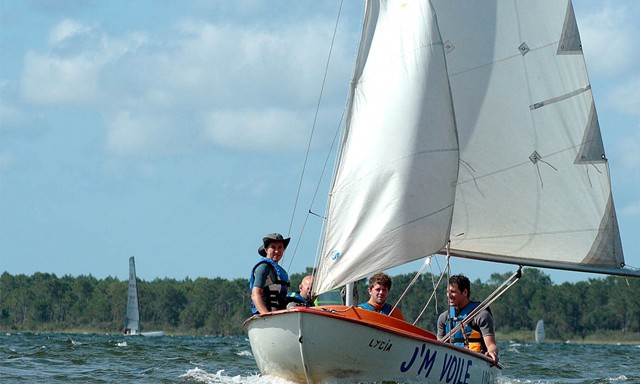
<point x="540" y="335"/>
<point x="132" y="318"/>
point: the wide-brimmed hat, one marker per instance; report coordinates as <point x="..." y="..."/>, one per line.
<point x="270" y="238"/>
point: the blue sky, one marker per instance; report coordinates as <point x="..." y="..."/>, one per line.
<point x="176" y="132"/>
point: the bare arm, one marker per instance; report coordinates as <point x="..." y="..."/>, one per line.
<point x="256" y="297"/>
<point x="492" y="347"/>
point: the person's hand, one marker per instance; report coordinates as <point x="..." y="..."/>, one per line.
<point x="493" y="355"/>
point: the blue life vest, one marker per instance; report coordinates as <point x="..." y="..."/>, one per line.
<point x="473" y="336"/>
<point x="275" y="292"/>
<point x="295" y="297"/>
<point x="386" y="308"/>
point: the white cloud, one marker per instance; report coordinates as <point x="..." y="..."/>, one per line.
<point x="67" y="29"/>
<point x="609" y="37"/>
<point x="206" y="73"/>
<point x="629" y="147"/>
<point x="625" y="97"/>
<point x="141" y="134"/>
<point x="52" y="80"/>
<point x="631" y="210"/>
<point x="270" y="130"/>
<point x="10" y="116"/>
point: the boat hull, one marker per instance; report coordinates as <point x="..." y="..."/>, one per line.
<point x="152" y="334"/>
<point x="347" y="344"/>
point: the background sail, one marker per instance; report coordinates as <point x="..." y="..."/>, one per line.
<point x="539" y="332"/>
<point x="392" y="196"/>
<point x="534" y="185"/>
<point x="132" y="319"/>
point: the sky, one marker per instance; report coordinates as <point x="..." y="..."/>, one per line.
<point x="176" y="131"/>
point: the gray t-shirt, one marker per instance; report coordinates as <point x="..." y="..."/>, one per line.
<point x="483" y="322"/>
<point x="264" y="275"/>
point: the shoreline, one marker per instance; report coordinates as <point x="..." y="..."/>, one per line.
<point x="606" y="337"/>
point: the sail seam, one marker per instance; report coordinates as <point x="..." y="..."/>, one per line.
<point x="422" y="217"/>
<point x="532" y="234"/>
<point x="387" y="165"/>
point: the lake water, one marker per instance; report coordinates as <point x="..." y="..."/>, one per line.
<point x="76" y="358"/>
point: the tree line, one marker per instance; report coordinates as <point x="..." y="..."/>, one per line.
<point x="215" y="306"/>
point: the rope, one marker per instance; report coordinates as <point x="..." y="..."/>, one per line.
<point x="427" y="261"/>
<point x="313" y="128"/>
<point x="433" y="295"/>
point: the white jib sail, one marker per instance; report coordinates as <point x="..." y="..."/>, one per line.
<point x="534" y="184"/>
<point x="539" y="333"/>
<point x="132" y="318"/>
<point x="392" y="197"/>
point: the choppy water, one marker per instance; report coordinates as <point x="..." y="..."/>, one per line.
<point x="74" y="358"/>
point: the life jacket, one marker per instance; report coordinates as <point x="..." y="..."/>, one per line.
<point x="275" y="292"/>
<point x="473" y="336"/>
<point x="386" y="308"/>
<point x="295" y="297"/>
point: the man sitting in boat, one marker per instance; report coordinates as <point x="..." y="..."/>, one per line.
<point x="379" y="287"/>
<point x="302" y="297"/>
<point x="479" y="333"/>
<point x="269" y="282"/>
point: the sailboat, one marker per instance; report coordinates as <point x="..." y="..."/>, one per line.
<point x="539" y="332"/>
<point x="132" y="317"/>
<point x="470" y="132"/>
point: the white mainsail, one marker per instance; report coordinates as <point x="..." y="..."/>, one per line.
<point x="534" y="185"/>
<point x="483" y="108"/>
<point x="392" y="197"/>
<point x="132" y="319"/>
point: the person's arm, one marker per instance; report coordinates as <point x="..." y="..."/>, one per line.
<point x="260" y="275"/>
<point x="487" y="329"/>
<point x="492" y="347"/>
<point x="442" y="325"/>
<point x="256" y="296"/>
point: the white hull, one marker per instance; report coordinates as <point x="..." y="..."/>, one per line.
<point x="152" y="334"/>
<point x="350" y="344"/>
<point x="146" y="334"/>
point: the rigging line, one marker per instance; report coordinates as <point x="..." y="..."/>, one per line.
<point x="315" y="118"/>
<point x="427" y="261"/>
<point x="433" y="295"/>
<point x="472" y="173"/>
<point x="315" y="193"/>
